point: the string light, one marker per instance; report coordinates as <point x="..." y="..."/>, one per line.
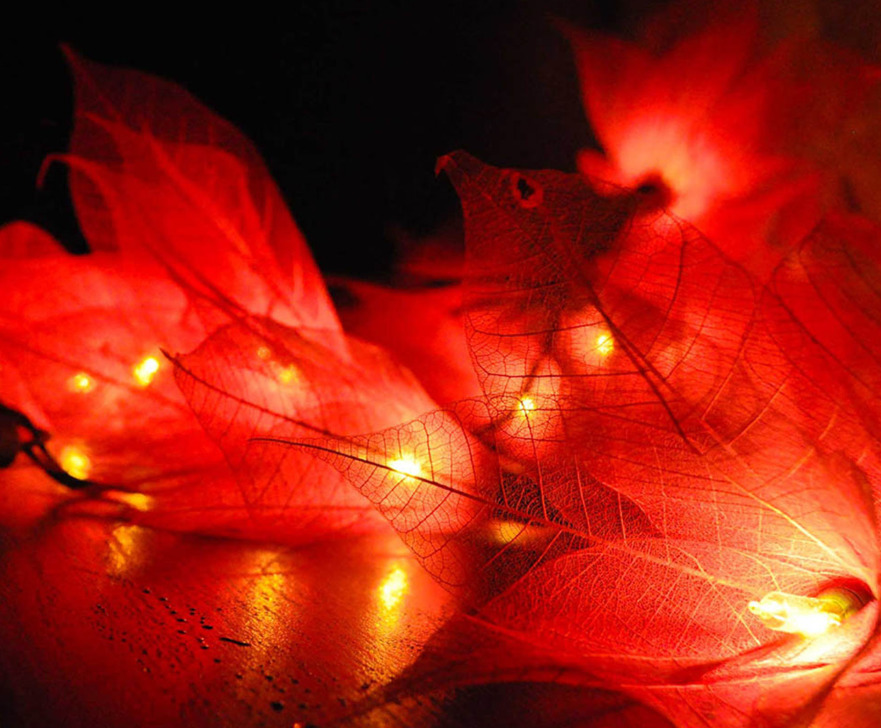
<point x="75" y="462"/>
<point x="145" y="370"/>
<point x="285" y="374"/>
<point x="288" y="374"/>
<point x="807" y="616"/>
<point x="526" y="404"/>
<point x="605" y="344"/>
<point x="405" y="465"/>
<point x="81" y="382"/>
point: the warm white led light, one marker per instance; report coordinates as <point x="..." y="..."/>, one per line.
<point x="81" y="382"/>
<point x="404" y="465"/>
<point x="605" y="344"/>
<point x="288" y="374"/>
<point x="145" y="370"/>
<point x="807" y="616"/>
<point x="75" y="462"/>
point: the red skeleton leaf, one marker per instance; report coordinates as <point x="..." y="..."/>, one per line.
<point x="648" y="458"/>
<point x="156" y="174"/>
<point x="189" y="234"/>
<point x="651" y="485"/>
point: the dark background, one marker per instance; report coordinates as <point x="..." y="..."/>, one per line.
<point x="350" y="104"/>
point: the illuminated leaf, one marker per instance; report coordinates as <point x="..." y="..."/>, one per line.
<point x="631" y="496"/>
<point x="699" y="118"/>
<point x="827" y="311"/>
<point x="154" y="173"/>
<point x="87" y="362"/>
<point x="421" y="326"/>
<point x="73" y="329"/>
<point x="256" y="382"/>
<point x="695" y="396"/>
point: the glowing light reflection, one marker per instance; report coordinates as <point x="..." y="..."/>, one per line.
<point x="393" y="588"/>
<point x="125" y="547"/>
<point x="390" y="597"/>
<point x="272" y="611"/>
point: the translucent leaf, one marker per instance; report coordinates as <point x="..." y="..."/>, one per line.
<point x="701" y="119"/>
<point x="257" y="382"/>
<point x="629" y="496"/>
<point x="689" y="392"/>
<point x="23" y="240"/>
<point x="827" y="310"/>
<point x="155" y="173"/>
<point x="421" y="326"/>
<point x="74" y="331"/>
<point x="190" y="233"/>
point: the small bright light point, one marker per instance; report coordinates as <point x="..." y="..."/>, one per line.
<point x="393" y="588"/>
<point x="288" y="374"/>
<point x="145" y="370"/>
<point x="138" y="501"/>
<point x="517" y="533"/>
<point x="407" y="466"/>
<point x="81" y="382"/>
<point x="795" y="614"/>
<point x="526" y="404"/>
<point x="605" y="344"/>
<point x="264" y="352"/>
<point x="510" y="531"/>
<point x="75" y="462"/>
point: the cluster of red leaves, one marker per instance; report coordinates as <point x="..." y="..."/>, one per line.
<point x="643" y="427"/>
<point x="192" y="246"/>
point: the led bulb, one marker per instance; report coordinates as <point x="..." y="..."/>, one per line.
<point x="75" y="462"/>
<point x="605" y="344"/>
<point x="405" y="465"/>
<point x="526" y="404"/>
<point x="288" y="374"/>
<point x="807" y="616"/>
<point x="145" y="370"/>
<point x="80" y="382"/>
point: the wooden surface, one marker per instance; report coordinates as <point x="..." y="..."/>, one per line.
<point x="108" y="624"/>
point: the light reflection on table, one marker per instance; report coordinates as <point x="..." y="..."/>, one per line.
<point x="106" y="623"/>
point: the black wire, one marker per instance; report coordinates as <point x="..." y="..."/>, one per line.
<point x="36" y="449"/>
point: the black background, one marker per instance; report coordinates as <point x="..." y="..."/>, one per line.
<point x="350" y="104"/>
